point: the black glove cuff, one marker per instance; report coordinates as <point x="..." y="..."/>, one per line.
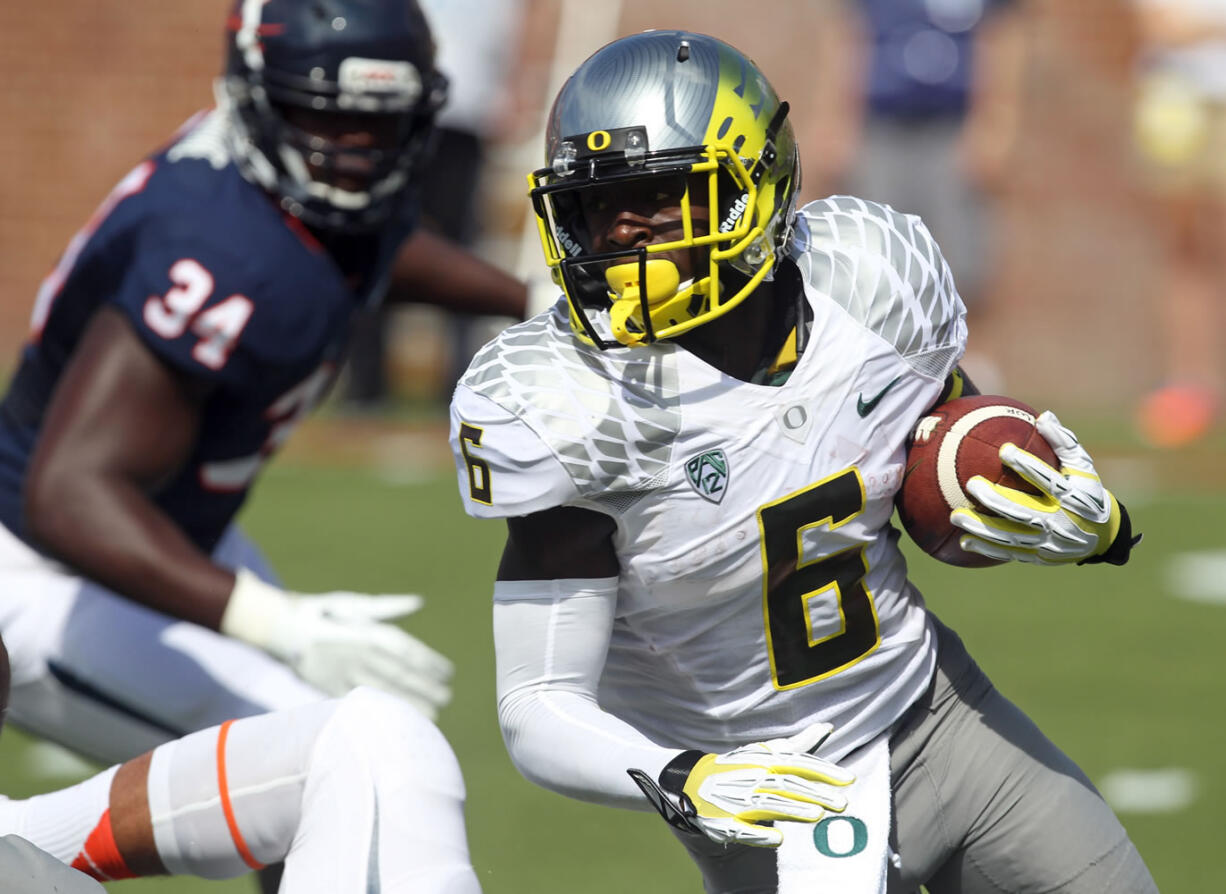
<point x="677" y="809"/>
<point x="677" y="771"/>
<point x="1121" y="547"/>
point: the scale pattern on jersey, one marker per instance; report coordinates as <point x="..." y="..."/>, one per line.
<point x="610" y="417"/>
<point x="208" y="140"/>
<point x="886" y="271"/>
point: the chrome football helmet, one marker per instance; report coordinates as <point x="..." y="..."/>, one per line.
<point x="688" y="115"/>
<point x="334" y="64"/>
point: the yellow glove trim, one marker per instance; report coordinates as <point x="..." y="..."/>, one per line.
<point x="1112" y="525"/>
<point x="710" y="765"/>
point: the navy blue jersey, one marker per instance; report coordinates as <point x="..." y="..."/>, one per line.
<point x="920" y="55"/>
<point x="221" y="286"/>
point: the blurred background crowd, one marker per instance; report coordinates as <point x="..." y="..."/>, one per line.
<point x="1067" y="155"/>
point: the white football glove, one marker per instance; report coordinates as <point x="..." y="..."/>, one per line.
<point x="733" y="797"/>
<point x="336" y="641"/>
<point x="1075" y="519"/>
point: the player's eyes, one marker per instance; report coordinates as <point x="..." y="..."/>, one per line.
<point x="637" y="196"/>
<point x="594" y="202"/>
<point x="670" y="191"/>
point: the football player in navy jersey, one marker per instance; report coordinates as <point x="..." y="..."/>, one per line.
<point x="185" y="330"/>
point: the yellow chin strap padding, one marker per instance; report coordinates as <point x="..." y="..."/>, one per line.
<point x="663" y="299"/>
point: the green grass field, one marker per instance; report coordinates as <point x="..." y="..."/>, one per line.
<point x="1113" y="668"/>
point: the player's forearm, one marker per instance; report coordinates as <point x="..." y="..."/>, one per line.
<point x="434" y="270"/>
<point x="112" y="533"/>
<point x="564" y="742"/>
<point x="551" y="638"/>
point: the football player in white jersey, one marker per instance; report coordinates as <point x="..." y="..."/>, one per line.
<point x="339" y="798"/>
<point x="701" y="605"/>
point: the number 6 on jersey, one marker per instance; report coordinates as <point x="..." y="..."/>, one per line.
<point x="478" y="469"/>
<point x="797" y="655"/>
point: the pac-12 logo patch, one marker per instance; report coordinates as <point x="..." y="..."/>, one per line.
<point x="708" y="474"/>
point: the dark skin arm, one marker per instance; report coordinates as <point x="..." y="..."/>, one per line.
<point x="559" y="543"/>
<point x="435" y="270"/>
<point x="119" y="424"/>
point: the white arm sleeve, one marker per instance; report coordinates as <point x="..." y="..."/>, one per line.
<point x="551" y="638"/>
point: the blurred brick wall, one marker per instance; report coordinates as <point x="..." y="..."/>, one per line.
<point x="1077" y="277"/>
<point x="88" y="89"/>
<point x="91" y="87"/>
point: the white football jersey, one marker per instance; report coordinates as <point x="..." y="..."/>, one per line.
<point x="761" y="584"/>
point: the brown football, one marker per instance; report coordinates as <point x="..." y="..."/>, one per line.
<point x="951" y="444"/>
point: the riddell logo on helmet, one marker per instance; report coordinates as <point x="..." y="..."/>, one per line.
<point x="734" y="213"/>
<point x="568" y="242"/>
<point x="379" y="76"/>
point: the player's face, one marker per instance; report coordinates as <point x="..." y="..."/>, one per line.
<point x="633" y="214"/>
<point x="345" y="147"/>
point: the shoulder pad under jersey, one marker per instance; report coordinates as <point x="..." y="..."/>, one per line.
<point x="885" y="269"/>
<point x="607" y="418"/>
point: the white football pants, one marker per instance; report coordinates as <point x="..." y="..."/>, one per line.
<point x="355" y="795"/>
<point x="111" y="679"/>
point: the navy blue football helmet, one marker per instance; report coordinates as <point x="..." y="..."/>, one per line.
<point x="303" y="76"/>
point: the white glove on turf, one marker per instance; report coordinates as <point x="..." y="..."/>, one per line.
<point x="1075" y="519"/>
<point x="336" y="641"/>
<point x="729" y="797"/>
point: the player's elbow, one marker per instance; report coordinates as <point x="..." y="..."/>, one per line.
<point x="54" y="499"/>
<point x="46" y="502"/>
<point x="514" y="719"/>
<point x="524" y="719"/>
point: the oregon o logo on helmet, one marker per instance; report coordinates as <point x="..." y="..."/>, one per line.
<point x="599" y="140"/>
<point x="849" y="827"/>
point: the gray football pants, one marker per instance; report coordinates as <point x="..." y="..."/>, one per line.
<point x="984" y="803"/>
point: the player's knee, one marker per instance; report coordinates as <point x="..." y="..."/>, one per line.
<point x="377" y="767"/>
<point x="398" y="740"/>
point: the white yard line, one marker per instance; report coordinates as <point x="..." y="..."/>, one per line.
<point x="1163" y="790"/>
<point x="45" y="760"/>
<point x="1198" y="576"/>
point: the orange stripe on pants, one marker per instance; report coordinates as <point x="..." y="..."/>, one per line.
<point x="226" y="807"/>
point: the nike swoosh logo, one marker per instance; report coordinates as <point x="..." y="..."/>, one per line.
<point x="864" y="407"/>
